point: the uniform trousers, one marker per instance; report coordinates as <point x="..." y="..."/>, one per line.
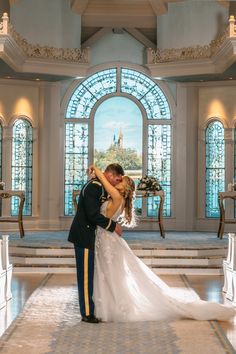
<point x="85" y="273"/>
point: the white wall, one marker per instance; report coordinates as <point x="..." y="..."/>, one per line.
<point x="191" y="23"/>
<point x="47" y="22"/>
<point x="117" y="47"/>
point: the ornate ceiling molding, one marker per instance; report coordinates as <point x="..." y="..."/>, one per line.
<point x="214" y="58"/>
<point x="22" y="56"/>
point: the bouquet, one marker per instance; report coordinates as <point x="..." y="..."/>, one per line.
<point x="149" y="184"/>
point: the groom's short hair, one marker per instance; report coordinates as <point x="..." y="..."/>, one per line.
<point x="115" y="168"/>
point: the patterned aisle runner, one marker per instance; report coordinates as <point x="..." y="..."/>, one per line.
<point x="50" y="324"/>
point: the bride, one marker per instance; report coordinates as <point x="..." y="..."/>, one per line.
<point x="125" y="289"/>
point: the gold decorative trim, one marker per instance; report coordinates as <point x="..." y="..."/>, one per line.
<point x="86" y="295"/>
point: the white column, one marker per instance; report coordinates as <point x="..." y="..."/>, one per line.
<point x="185" y="157"/>
<point x="50" y="156"/>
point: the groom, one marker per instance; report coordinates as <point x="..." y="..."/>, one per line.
<point x="83" y="231"/>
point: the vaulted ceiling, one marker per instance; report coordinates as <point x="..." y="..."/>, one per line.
<point x="138" y="17"/>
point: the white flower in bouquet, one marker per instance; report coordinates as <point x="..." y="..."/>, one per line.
<point x="149" y="184"/>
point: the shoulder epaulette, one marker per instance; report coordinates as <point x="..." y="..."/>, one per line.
<point x="96" y="182"/>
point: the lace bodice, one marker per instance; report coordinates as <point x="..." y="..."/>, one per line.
<point x="104" y="208"/>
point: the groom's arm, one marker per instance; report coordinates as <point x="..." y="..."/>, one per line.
<point x="92" y="206"/>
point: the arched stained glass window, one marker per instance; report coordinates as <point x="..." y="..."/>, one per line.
<point x="22" y="149"/>
<point x="147" y="92"/>
<point x="79" y="133"/>
<point x="215" y="167"/>
<point x="89" y="92"/>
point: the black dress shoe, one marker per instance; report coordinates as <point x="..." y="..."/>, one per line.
<point x="90" y="319"/>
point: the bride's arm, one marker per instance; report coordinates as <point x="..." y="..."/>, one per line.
<point x="112" y="191"/>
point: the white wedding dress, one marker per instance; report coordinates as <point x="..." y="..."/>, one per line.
<point x="125" y="289"/>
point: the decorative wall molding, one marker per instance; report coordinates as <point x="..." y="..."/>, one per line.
<point x="213" y="58"/>
<point x="18" y="53"/>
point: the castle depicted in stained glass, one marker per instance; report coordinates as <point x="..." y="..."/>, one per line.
<point x="118" y="141"/>
<point x="117" y="152"/>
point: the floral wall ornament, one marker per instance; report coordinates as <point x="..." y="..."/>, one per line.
<point x="43" y="52"/>
<point x="187" y="53"/>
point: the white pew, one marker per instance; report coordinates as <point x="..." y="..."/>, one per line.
<point x="3" y="280"/>
<point x="7" y="266"/>
<point x="5" y="272"/>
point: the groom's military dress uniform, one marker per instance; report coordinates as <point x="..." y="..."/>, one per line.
<point x="82" y="234"/>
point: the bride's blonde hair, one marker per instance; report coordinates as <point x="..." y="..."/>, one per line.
<point x="128" y="218"/>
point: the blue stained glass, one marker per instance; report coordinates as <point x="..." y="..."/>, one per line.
<point x="159" y="165"/>
<point x="215" y="167"/>
<point x="80" y="105"/>
<point x="76" y="161"/>
<point x="147" y="92"/>
<point x="22" y="150"/>
<point x="89" y="92"/>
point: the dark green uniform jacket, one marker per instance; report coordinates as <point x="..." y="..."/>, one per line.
<point x="88" y="217"/>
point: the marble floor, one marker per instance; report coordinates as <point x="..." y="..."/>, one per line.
<point x="208" y="287"/>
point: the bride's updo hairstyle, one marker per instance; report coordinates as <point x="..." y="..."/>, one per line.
<point x="128" y="218"/>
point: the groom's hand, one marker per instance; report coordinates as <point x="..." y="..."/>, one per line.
<point x="118" y="229"/>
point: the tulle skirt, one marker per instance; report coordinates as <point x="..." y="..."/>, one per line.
<point x="126" y="290"/>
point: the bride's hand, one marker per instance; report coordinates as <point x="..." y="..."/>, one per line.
<point x="118" y="230"/>
<point x="91" y="171"/>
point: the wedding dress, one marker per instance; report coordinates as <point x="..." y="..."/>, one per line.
<point x="125" y="289"/>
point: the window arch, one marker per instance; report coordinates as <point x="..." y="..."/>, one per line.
<point x="215" y="167"/>
<point x="22" y="150"/>
<point x="79" y="133"/>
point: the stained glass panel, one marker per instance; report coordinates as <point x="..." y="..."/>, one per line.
<point x="76" y="161"/>
<point x="215" y="167"/>
<point x="159" y="165"/>
<point x="147" y="92"/>
<point x="89" y="92"/>
<point x="22" y="149"/>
